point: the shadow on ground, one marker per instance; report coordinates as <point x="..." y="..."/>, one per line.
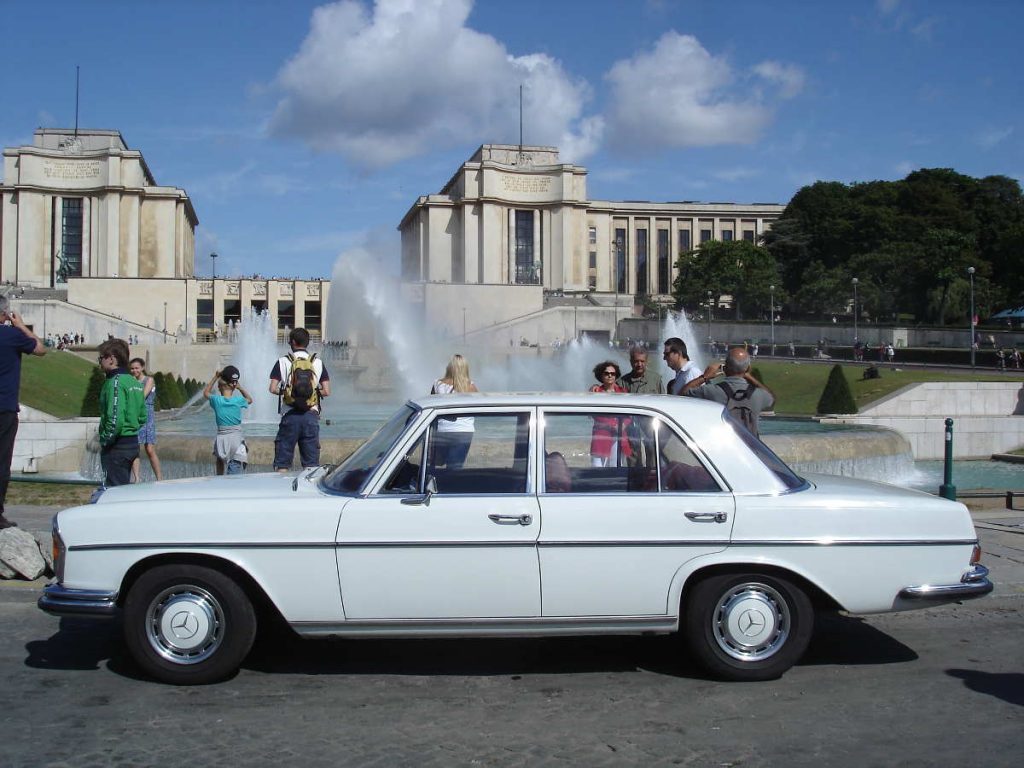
<point x="85" y="645"/>
<point x="1008" y="686"/>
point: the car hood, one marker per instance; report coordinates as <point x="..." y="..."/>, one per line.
<point x="228" y="487"/>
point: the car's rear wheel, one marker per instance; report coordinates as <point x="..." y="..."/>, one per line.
<point x="747" y="626"/>
<point x="188" y="624"/>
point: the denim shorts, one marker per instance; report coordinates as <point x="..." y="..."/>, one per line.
<point x="300" y="428"/>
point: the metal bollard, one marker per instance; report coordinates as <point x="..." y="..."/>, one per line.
<point x="947" y="490"/>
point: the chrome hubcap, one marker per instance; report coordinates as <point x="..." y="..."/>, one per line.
<point x="185" y="624"/>
<point x="751" y="622"/>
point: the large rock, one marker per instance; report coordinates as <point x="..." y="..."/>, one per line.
<point x="45" y="541"/>
<point x="19" y="551"/>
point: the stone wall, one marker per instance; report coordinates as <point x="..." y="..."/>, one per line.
<point x="988" y="417"/>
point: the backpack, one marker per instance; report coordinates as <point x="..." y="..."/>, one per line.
<point x="739" y="407"/>
<point x="300" y="392"/>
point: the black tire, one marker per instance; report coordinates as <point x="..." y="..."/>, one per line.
<point x="188" y="624"/>
<point x="747" y="626"/>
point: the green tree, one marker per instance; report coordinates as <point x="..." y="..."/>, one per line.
<point x="736" y="268"/>
<point x="837" y="397"/>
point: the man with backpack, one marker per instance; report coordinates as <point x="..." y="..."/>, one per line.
<point x="301" y="381"/>
<point x="739" y="391"/>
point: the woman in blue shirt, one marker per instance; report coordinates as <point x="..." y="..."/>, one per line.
<point x="229" y="445"/>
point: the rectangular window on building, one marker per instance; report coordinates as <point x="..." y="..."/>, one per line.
<point x="593" y="235"/>
<point x="705" y="236"/>
<point x="684" y="241"/>
<point x="204" y="314"/>
<point x="592" y="282"/>
<point x="285" y="314"/>
<point x="69" y="260"/>
<point x="726" y="235"/>
<point x="527" y="271"/>
<point x="641" y="261"/>
<point x="748" y="235"/>
<point x="664" y="263"/>
<point x="593" y="259"/>
<point x="313" y="321"/>
<point x="620" y="260"/>
<point x="259" y="305"/>
<point x="232" y="310"/>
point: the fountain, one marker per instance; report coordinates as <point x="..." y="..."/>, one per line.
<point x="390" y="354"/>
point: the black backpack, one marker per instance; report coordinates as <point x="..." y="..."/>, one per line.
<point x="738" y="404"/>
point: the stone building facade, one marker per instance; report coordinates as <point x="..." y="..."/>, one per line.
<point x="82" y="204"/>
<point x="516" y="216"/>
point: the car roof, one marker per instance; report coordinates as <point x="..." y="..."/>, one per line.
<point x="690" y="411"/>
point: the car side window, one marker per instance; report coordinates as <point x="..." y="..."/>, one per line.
<point x="599" y="452"/>
<point x="479" y="453"/>
<point x="680" y="469"/>
<point x="408" y="476"/>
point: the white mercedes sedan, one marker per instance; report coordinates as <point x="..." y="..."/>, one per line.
<point x="503" y="515"/>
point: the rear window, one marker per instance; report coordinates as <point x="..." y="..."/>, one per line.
<point x="777" y="466"/>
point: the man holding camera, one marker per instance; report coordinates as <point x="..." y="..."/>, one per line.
<point x="15" y="340"/>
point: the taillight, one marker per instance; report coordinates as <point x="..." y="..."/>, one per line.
<point x="976" y="554"/>
<point x="58" y="550"/>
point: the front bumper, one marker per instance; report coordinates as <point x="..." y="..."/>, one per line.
<point x="974" y="583"/>
<point x="61" y="601"/>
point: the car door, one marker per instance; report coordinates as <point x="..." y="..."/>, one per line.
<point x="626" y="501"/>
<point x="446" y="535"/>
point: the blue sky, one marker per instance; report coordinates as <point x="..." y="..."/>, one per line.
<point x="302" y="129"/>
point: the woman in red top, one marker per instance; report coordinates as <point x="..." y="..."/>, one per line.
<point x="604" y="448"/>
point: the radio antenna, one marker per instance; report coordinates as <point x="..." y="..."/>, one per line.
<point x="520" y="118"/>
<point x="76" y="101"/>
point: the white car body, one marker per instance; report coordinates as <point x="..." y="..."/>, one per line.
<point x="371" y="561"/>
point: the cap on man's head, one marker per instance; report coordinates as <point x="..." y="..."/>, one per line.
<point x="230" y="375"/>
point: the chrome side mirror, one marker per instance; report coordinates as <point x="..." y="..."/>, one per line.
<point x="422" y="499"/>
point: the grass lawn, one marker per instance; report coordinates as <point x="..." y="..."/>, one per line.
<point x="55" y="383"/>
<point x="47" y="494"/>
<point x="798" y="385"/>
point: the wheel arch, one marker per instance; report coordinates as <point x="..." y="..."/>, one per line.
<point x="820" y="599"/>
<point x="266" y="609"/>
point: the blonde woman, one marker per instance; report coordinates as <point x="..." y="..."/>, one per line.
<point x="454" y="434"/>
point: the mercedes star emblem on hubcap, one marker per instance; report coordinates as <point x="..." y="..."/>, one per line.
<point x="184" y="625"/>
<point x="750" y="622"/>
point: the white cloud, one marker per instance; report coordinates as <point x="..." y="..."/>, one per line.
<point x="245" y="181"/>
<point x="679" y="95"/>
<point x="904" y="168"/>
<point x="991" y="137"/>
<point x="408" y="76"/>
<point x="788" y="77"/>
<point x="924" y="29"/>
<point x="887" y="7"/>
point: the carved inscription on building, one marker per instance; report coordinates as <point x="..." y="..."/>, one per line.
<point x="205" y="288"/>
<point x="530" y="185"/>
<point x="313" y="290"/>
<point x="72" y="170"/>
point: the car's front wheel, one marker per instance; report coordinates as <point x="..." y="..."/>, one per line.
<point x="747" y="626"/>
<point x="188" y="624"/>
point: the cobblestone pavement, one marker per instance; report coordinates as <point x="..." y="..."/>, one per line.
<point x="943" y="686"/>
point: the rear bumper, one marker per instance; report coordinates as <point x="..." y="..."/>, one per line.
<point x="974" y="583"/>
<point x="61" y="601"/>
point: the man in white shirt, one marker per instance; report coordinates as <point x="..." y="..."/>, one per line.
<point x="300" y="424"/>
<point x="677" y="358"/>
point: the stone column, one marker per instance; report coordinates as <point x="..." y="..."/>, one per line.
<point x="511" y="246"/>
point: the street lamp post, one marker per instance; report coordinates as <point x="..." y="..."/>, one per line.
<point x="463" y="326"/>
<point x="709" y="319"/>
<point x="213" y="263"/>
<point x="771" y="289"/>
<point x="165" y="322"/>
<point x="970" y="320"/>
<point x="855" y="282"/>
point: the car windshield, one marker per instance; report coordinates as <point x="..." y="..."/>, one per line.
<point x="766" y="456"/>
<point x="349" y="476"/>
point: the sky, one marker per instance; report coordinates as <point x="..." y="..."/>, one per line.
<point x="301" y="130"/>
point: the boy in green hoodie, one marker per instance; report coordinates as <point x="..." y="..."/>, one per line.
<point x="122" y="414"/>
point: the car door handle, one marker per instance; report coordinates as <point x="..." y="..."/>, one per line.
<point x="511" y="519"/>
<point x="707" y="517"/>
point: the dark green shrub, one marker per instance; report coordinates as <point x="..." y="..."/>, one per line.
<point x="91" y="399"/>
<point x="163" y="395"/>
<point x="837" y="397"/>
